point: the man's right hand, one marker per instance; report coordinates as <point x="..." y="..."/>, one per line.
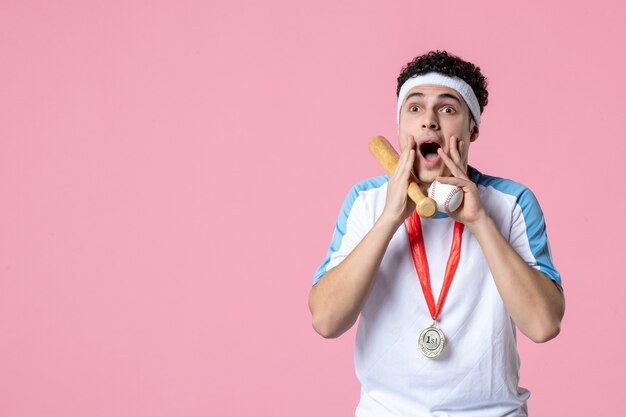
<point x="336" y="300"/>
<point x="398" y="205"/>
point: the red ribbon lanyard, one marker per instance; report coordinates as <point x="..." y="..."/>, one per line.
<point x="416" y="238"/>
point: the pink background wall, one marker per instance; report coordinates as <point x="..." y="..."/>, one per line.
<point x="170" y="174"/>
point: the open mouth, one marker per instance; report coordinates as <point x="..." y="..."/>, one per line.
<point x="429" y="150"/>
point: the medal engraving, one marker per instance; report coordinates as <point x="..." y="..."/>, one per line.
<point x="432" y="341"/>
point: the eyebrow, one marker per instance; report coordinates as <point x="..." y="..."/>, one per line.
<point x="443" y="95"/>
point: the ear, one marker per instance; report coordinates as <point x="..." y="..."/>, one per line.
<point x="473" y="131"/>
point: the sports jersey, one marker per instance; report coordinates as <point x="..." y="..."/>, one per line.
<point x="478" y="372"/>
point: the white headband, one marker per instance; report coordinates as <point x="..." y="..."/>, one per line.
<point x="436" y="78"/>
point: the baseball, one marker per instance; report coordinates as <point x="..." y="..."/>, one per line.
<point x="448" y="197"/>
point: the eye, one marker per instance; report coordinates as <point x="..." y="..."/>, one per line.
<point x="413" y="108"/>
<point x="448" y="110"/>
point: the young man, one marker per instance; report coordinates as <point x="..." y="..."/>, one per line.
<point x="418" y="354"/>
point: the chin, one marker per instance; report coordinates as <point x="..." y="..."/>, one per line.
<point x="430" y="176"/>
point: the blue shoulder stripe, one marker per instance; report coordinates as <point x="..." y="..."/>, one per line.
<point x="533" y="218"/>
<point x="342" y="219"/>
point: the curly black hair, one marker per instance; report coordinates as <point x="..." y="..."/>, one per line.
<point x="448" y="64"/>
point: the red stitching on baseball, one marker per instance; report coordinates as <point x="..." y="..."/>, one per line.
<point x="446" y="205"/>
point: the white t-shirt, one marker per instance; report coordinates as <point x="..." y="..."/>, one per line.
<point x="478" y="372"/>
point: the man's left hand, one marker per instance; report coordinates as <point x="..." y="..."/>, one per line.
<point x="471" y="210"/>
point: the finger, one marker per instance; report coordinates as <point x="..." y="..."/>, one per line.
<point x="459" y="182"/>
<point x="410" y="144"/>
<point x="454" y="150"/>
<point x="407" y="170"/>
<point x="399" y="164"/>
<point x="454" y="168"/>
<point x="410" y="162"/>
<point x="406" y="163"/>
<point x="463" y="156"/>
<point x="399" y="171"/>
<point x="412" y="155"/>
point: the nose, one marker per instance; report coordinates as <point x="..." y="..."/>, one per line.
<point x="430" y="121"/>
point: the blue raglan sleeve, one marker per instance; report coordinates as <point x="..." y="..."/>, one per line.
<point x="529" y="236"/>
<point x="347" y="233"/>
<point x="354" y="221"/>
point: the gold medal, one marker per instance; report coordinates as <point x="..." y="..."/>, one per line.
<point x="432" y="341"/>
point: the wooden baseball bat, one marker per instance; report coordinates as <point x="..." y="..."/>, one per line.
<point x="387" y="157"/>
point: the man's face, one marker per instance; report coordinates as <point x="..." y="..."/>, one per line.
<point x="432" y="115"/>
